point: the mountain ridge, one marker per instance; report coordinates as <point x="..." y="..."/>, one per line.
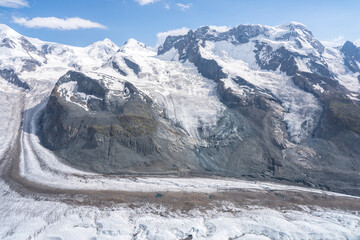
<point x="252" y="101"/>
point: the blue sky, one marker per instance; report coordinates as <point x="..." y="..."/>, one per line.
<point x="81" y="22"/>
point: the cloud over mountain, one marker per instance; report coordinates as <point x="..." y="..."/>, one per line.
<point x="58" y="23"/>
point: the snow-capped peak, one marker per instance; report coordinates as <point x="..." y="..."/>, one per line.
<point x="102" y="49"/>
<point x="6" y="31"/>
<point x="133" y="45"/>
<point x="8" y="37"/>
<point x="106" y="43"/>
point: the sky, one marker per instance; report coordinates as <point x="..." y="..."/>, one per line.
<point x="82" y="22"/>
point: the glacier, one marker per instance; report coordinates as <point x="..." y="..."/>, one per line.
<point x="59" y="207"/>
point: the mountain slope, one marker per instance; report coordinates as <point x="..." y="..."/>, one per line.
<point x="322" y="110"/>
<point x="252" y="101"/>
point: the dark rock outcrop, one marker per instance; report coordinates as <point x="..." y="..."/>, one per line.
<point x="116" y="135"/>
<point x="340" y="113"/>
<point x="188" y="48"/>
<point x="351" y="56"/>
<point x="27" y="45"/>
<point x="269" y="59"/>
<point x="133" y="66"/>
<point x="10" y="76"/>
<point x="30" y="65"/>
<point x="8" y="43"/>
<point x="118" y="69"/>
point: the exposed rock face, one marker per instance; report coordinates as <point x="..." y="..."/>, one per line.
<point x="27" y="45"/>
<point x="135" y="67"/>
<point x="274" y="59"/>
<point x="351" y="56"/>
<point x="117" y="68"/>
<point x="111" y="131"/>
<point x="188" y="48"/>
<point x="340" y="113"/>
<point x="270" y="59"/>
<point x="125" y="133"/>
<point x="6" y="42"/>
<point x="30" y="65"/>
<point x="10" y="76"/>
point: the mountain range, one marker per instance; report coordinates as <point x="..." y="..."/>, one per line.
<point x="254" y="101"/>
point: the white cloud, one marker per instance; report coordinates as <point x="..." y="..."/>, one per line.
<point x="357" y="42"/>
<point x="145" y="2"/>
<point x="14" y="3"/>
<point x="58" y="23"/>
<point x="161" y="36"/>
<point x="183" y="7"/>
<point x="336" y="42"/>
<point x="220" y="28"/>
<point x="167" y="6"/>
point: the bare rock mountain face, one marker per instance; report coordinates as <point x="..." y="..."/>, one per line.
<point x="256" y="102"/>
<point x="111" y="129"/>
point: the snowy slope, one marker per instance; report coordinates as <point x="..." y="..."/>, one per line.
<point x="168" y="83"/>
<point x="171" y="83"/>
<point x="189" y="100"/>
<point x="259" y="54"/>
<point x="301" y="109"/>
